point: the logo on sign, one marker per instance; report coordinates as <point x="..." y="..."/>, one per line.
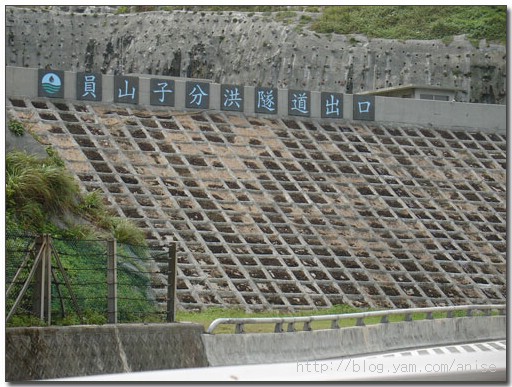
<point x="51" y="83"/>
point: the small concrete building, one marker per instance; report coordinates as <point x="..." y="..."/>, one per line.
<point x="436" y="93"/>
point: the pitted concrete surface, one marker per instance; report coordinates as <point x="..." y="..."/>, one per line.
<point x="249" y="49"/>
<point x="37" y="353"/>
<point x="295" y="214"/>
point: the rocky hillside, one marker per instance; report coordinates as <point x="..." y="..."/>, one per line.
<point x="247" y="48"/>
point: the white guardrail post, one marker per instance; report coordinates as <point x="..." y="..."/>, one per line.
<point x="359" y="317"/>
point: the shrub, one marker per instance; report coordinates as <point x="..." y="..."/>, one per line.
<point x="16" y="128"/>
<point x="91" y="205"/>
<point x="89" y="317"/>
<point x="25" y="321"/>
<point x="54" y="157"/>
<point x="415" y="22"/>
<point x="124" y="231"/>
<point x="122" y="9"/>
<point x="78" y="231"/>
<point x="37" y="188"/>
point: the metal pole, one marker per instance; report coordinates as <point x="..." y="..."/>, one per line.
<point x="48" y="280"/>
<point x="38" y="293"/>
<point x="112" y="281"/>
<point x="27" y="283"/>
<point x="24" y="264"/>
<point x="171" y="284"/>
<point x="41" y="277"/>
<point x="66" y="281"/>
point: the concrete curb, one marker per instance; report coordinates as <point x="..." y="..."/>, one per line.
<point x="237" y="349"/>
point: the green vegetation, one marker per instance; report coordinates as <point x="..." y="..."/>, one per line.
<point x="390" y="22"/>
<point x="228" y="8"/>
<point x="86" y="267"/>
<point x="122" y="10"/>
<point x="39" y="191"/>
<point x="43" y="197"/>
<point x="285" y="17"/>
<point x="54" y="157"/>
<point x="124" y="230"/>
<point x="16" y="128"/>
<point x="25" y="321"/>
<point x="36" y="189"/>
<point x="415" y="22"/>
<point x="89" y="317"/>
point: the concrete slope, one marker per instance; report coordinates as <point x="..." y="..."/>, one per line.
<point x="296" y="214"/>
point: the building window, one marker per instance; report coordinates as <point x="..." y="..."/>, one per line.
<point x="435" y="97"/>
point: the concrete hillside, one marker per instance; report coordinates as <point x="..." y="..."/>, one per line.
<point x="291" y="213"/>
<point x="248" y="49"/>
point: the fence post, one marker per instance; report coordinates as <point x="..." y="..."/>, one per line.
<point x="171" y="284"/>
<point x="48" y="279"/>
<point x="112" y="281"/>
<point x="41" y="298"/>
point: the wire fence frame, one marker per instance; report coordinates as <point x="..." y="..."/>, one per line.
<point x="106" y="278"/>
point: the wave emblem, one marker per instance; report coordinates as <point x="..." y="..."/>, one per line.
<point x="51" y="83"/>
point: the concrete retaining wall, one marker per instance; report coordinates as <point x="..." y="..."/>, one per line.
<point x="485" y="117"/>
<point x="22" y="82"/>
<point x="236" y="349"/>
<point x="37" y="353"/>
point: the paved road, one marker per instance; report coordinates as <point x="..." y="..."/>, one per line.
<point x="480" y="361"/>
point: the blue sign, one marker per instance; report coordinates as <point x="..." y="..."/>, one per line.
<point x="126" y="89"/>
<point x="364" y="107"/>
<point x="50" y="83"/>
<point x="232" y="98"/>
<point x="331" y="105"/>
<point x="88" y="86"/>
<point x="299" y="103"/>
<point x="197" y="95"/>
<point x="162" y="92"/>
<point x="265" y="100"/>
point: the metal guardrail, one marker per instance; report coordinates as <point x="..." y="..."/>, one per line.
<point x="359" y="317"/>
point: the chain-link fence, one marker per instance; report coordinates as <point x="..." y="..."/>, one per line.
<point x="90" y="281"/>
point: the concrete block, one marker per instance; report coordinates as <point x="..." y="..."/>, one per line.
<point x="484" y="117"/>
<point x="38" y="353"/>
<point x="316" y="108"/>
<point x="348" y="103"/>
<point x="70" y="85"/>
<point x="235" y="349"/>
<point x="215" y="97"/>
<point x="249" y="100"/>
<point x="108" y="88"/>
<point x="144" y="91"/>
<point x="180" y="91"/>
